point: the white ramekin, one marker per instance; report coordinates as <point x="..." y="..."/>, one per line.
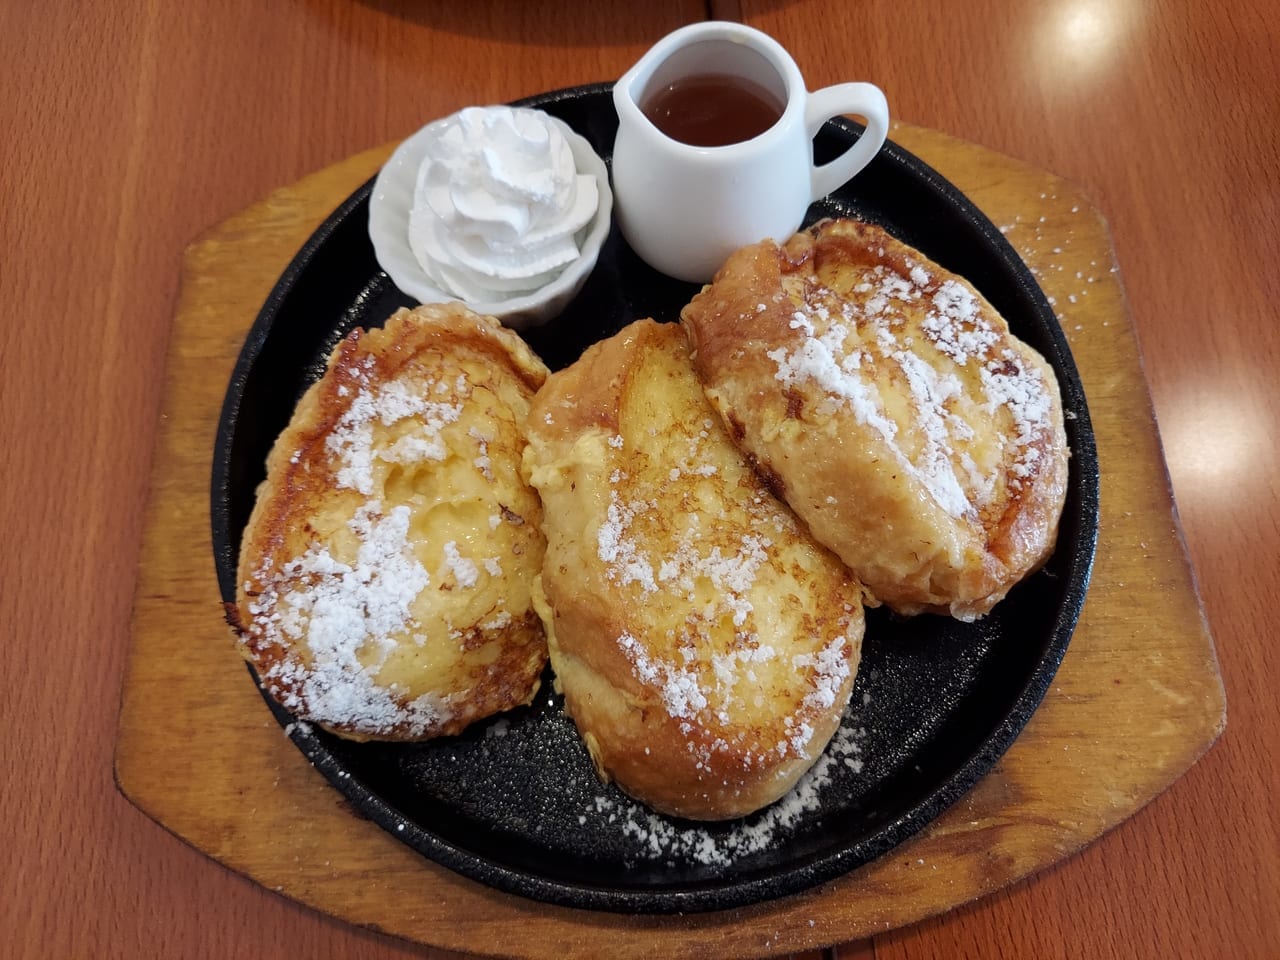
<point x="392" y="198"/>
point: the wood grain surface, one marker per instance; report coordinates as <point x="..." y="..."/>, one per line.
<point x="1137" y="700"/>
<point x="132" y="127"/>
<point x="1167" y="118"/>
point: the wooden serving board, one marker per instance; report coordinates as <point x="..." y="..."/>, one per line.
<point x="1137" y="700"/>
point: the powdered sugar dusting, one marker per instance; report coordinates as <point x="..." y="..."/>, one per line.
<point x="956" y="324"/>
<point x="701" y="688"/>
<point x="830" y="669"/>
<point x="464" y="570"/>
<point x="931" y="393"/>
<point x="351" y="442"/>
<point x="346" y="617"/>
<point x="824" y="359"/>
<point x="617" y="550"/>
<point x="849" y="342"/>
<point x="681" y="692"/>
<point x="657" y="838"/>
<point x="1009" y="386"/>
<point x="705" y="669"/>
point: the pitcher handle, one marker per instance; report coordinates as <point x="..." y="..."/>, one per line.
<point x="865" y="100"/>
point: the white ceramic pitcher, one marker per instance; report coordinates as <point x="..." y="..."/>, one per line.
<point x="685" y="208"/>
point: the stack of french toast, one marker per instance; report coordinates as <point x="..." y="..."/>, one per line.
<point x="687" y="522"/>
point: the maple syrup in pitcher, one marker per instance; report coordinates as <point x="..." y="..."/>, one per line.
<point x="712" y="109"/>
<point x="715" y="146"/>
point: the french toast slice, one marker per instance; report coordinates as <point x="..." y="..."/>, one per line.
<point x="384" y="575"/>
<point x="705" y="644"/>
<point x="888" y="403"/>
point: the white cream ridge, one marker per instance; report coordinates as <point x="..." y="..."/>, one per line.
<point x="497" y="204"/>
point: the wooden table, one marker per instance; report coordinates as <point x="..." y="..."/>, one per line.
<point x="130" y="128"/>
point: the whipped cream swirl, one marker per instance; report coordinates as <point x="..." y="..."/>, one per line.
<point x="497" y="204"/>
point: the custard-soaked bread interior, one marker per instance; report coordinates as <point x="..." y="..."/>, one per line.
<point x="385" y="573"/>
<point x="890" y="405"/>
<point x="705" y="644"/>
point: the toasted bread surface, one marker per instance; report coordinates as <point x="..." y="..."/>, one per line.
<point x="385" y="573"/>
<point x="705" y="644"/>
<point x="889" y="404"/>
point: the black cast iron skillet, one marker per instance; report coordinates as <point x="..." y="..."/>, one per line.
<point x="514" y="803"/>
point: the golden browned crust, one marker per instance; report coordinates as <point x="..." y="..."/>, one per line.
<point x="889" y="404"/>
<point x="704" y="643"/>
<point x="385" y="572"/>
